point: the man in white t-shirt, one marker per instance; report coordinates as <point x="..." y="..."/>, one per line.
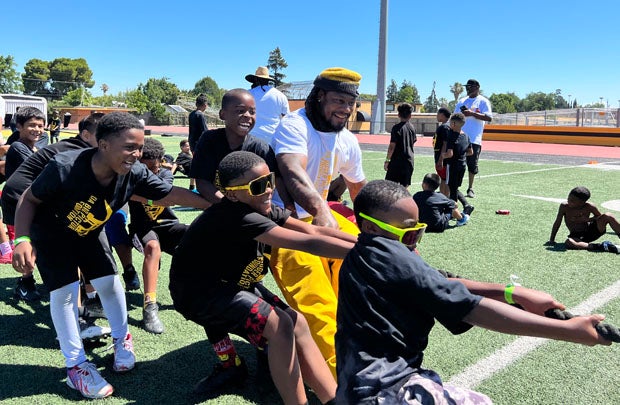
<point x="312" y="147"/>
<point x="477" y="111"/>
<point x="271" y="104"/>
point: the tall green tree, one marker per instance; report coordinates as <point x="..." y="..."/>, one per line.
<point x="79" y="96"/>
<point x="161" y="91"/>
<point x="10" y="81"/>
<point x="137" y="99"/>
<point x="538" y="101"/>
<point x="391" y="93"/>
<point x="276" y="64"/>
<point x="504" y="102"/>
<point x="208" y="87"/>
<point x="408" y="93"/>
<point x="69" y="74"/>
<point x="431" y="104"/>
<point x="36" y="77"/>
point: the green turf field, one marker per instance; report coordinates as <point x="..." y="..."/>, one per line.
<point x="489" y="248"/>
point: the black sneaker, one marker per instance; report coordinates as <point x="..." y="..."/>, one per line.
<point x="468" y="210"/>
<point x="93" y="308"/>
<point x="26" y="290"/>
<point x="609" y="247"/>
<point x="470" y="193"/>
<point x="221" y="378"/>
<point x="150" y="319"/>
<point x="132" y="281"/>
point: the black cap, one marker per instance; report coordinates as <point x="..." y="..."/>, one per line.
<point x="472" y="82"/>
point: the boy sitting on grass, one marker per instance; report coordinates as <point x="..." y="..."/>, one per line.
<point x="436" y="210"/>
<point x="585" y="223"/>
<point x="225" y="294"/>
<point x="390" y="298"/>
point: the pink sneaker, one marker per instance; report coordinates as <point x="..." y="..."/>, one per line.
<point x="86" y="379"/>
<point x="7" y="258"/>
<point x="124" y="356"/>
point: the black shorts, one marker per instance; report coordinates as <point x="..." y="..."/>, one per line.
<point x="59" y="256"/>
<point x="228" y="309"/>
<point x="8" y="209"/>
<point x="472" y="161"/>
<point x="400" y="172"/>
<point x="168" y="235"/>
<point x="591" y="233"/>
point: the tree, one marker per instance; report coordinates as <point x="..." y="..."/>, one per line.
<point x="69" y="74"/>
<point x="408" y="93"/>
<point x="79" y="96"/>
<point x="105" y="88"/>
<point x="431" y="104"/>
<point x="36" y="76"/>
<point x="10" y="82"/>
<point x="137" y="99"/>
<point x="392" y="92"/>
<point x="537" y="102"/>
<point x="456" y="89"/>
<point x="208" y="87"/>
<point x="504" y="103"/>
<point x="276" y="64"/>
<point x="161" y="91"/>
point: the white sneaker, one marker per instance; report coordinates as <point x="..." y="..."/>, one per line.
<point x="86" y="379"/>
<point x="124" y="357"/>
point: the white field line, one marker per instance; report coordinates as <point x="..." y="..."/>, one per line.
<point x="486" y="368"/>
<point x="600" y="166"/>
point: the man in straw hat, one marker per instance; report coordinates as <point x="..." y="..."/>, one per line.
<point x="271" y="104"/>
<point x="312" y="146"/>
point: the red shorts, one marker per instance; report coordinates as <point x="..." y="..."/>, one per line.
<point x="441" y="171"/>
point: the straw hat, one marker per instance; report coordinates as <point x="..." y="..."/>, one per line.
<point x="261" y="73"/>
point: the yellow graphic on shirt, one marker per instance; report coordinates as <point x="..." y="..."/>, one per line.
<point x="153" y="211"/>
<point x="324" y="174"/>
<point x="253" y="273"/>
<point x="82" y="221"/>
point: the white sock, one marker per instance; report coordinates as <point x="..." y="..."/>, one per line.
<point x="112" y="297"/>
<point x="64" y="310"/>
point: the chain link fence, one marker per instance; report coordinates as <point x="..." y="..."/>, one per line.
<point x="573" y="117"/>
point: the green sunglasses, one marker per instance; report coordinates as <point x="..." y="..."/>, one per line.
<point x="407" y="236"/>
<point x="257" y="186"/>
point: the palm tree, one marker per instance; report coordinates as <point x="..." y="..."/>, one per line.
<point x="456" y="89"/>
<point x="104" y="88"/>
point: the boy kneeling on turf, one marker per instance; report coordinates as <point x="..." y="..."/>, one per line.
<point x="225" y="294"/>
<point x="67" y="206"/>
<point x="389" y="299"/>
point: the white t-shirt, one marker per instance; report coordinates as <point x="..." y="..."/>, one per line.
<point x="473" y="127"/>
<point x="329" y="153"/>
<point x="271" y="105"/>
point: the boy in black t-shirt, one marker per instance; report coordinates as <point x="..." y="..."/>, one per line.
<point x="436" y="210"/>
<point x="183" y="162"/>
<point x="399" y="160"/>
<point x="67" y="205"/>
<point x="154" y="229"/>
<point x="225" y="294"/>
<point x="390" y="298"/>
<point x="439" y="147"/>
<point x="457" y="148"/>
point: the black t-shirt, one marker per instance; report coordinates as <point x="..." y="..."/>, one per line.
<point x="75" y="204"/>
<point x="55" y="126"/>
<point x="15" y="156"/>
<point x="184" y="161"/>
<point x="388" y="301"/>
<point x="145" y="217"/>
<point x="224" y="234"/>
<point x="441" y="135"/>
<point x="433" y="208"/>
<point x="403" y="135"/>
<point x="197" y="125"/>
<point x="458" y="142"/>
<point x="213" y="147"/>
<point x="40" y="144"/>
<point x="25" y="174"/>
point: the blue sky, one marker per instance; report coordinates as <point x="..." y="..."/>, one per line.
<point x="510" y="46"/>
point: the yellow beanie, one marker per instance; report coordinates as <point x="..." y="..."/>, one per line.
<point x="340" y="80"/>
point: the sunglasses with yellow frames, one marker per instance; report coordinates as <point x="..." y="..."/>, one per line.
<point x="407" y="236"/>
<point x="258" y="186"/>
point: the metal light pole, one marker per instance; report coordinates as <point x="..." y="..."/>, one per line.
<point x="378" y="112"/>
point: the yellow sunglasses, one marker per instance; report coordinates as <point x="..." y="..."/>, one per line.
<point x="258" y="186"/>
<point x="407" y="236"/>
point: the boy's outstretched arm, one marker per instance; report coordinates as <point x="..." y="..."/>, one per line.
<point x="325" y="246"/>
<point x="534" y="301"/>
<point x="500" y="317"/>
<point x="24" y="254"/>
<point x="184" y="197"/>
<point x="304" y="227"/>
<point x="556" y="225"/>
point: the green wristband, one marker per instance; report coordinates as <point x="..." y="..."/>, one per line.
<point x="149" y="202"/>
<point x="21" y="239"/>
<point x="508" y="294"/>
